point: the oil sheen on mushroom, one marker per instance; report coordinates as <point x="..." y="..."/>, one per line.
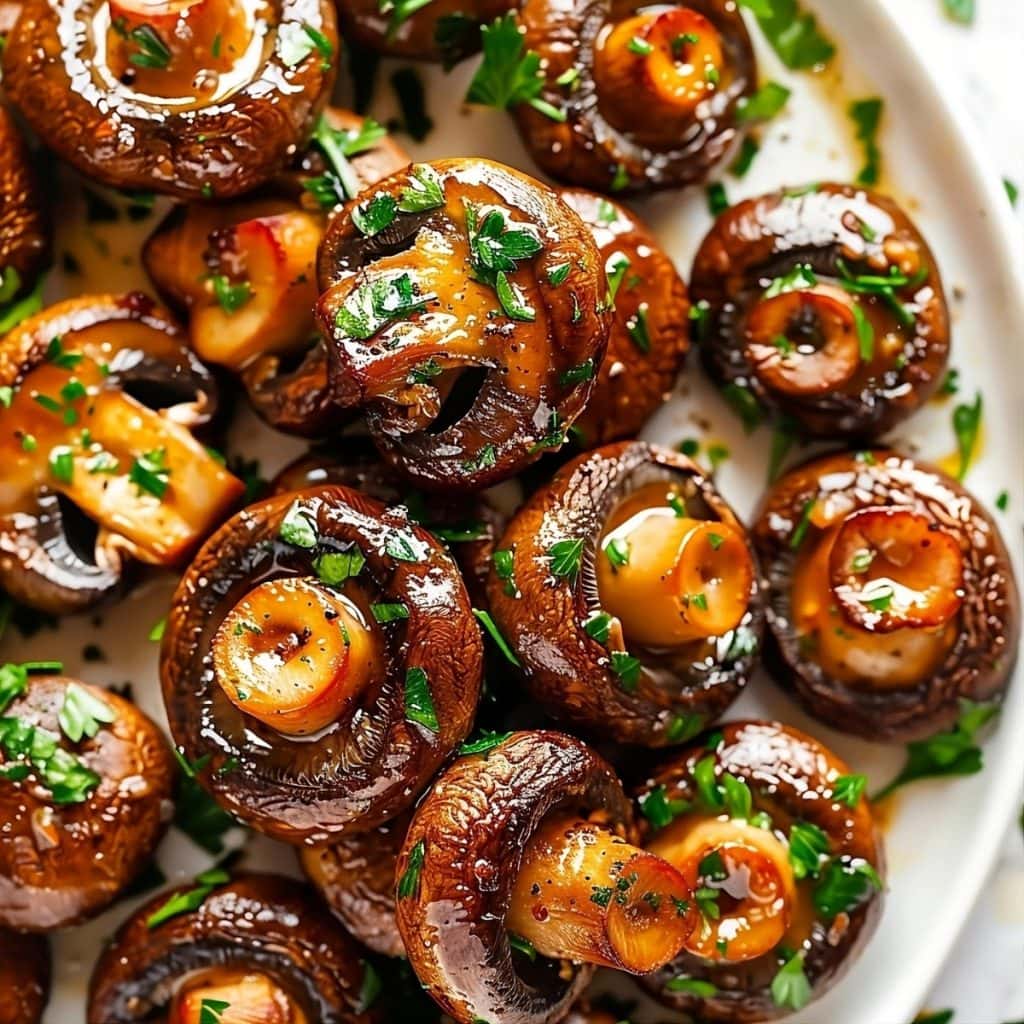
<point x="24" y="227"/>
<point x="892" y="594"/>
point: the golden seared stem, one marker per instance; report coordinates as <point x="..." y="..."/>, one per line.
<point x="670" y="579"/>
<point x="586" y="895"/>
<point x="234" y="997"/>
<point x="892" y="569"/>
<point x="293" y="653"/>
<point x="804" y="342"/>
<point x="743" y="883"/>
<point x="652" y="70"/>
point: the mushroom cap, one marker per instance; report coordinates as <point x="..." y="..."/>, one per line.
<point x="791" y="775"/>
<point x="978" y="665"/>
<point x="129" y="140"/>
<point x="568" y="671"/>
<point x="265" y="923"/>
<point x="24" y="226"/>
<point x="63" y="863"/>
<point x="471" y="829"/>
<point x="585" y="149"/>
<point x="370" y="765"/>
<point x="766" y="237"/>
<point x="24" y="977"/>
<point x="650" y="332"/>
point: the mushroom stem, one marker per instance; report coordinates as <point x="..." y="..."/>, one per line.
<point x="293" y="654"/>
<point x="670" y="579"/>
<point x="234" y="997"/>
<point x="584" y="894"/>
<point x="743" y="882"/>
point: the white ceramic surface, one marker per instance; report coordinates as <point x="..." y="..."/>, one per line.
<point x="942" y="837"/>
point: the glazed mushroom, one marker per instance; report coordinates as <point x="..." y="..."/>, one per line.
<point x="191" y="98"/>
<point x="824" y="304"/>
<point x="24" y="229"/>
<point x="650" y="332"/>
<point x="24" y="977"/>
<point x="257" y="948"/>
<point x="635" y="97"/>
<point x="628" y="589"/>
<point x="322" y="661"/>
<point x="464" y="310"/>
<point x="102" y="467"/>
<point x="892" y="595"/>
<point x="774" y="835"/>
<point x="244" y="273"/>
<point x="85" y="794"/>
<point x="518" y="874"/>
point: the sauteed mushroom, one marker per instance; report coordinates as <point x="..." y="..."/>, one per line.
<point x="463" y="311"/>
<point x="629" y="592"/>
<point x="259" y="948"/>
<point x="526" y="847"/>
<point x="85" y="789"/>
<point x="24" y="977"/>
<point x="188" y="97"/>
<point x="650" y="332"/>
<point x="321" y="657"/>
<point x="24" y="231"/>
<point x="244" y="272"/>
<point x="101" y="466"/>
<point x="649" y="94"/>
<point x="774" y="835"/>
<point x="825" y="304"/>
<point x="892" y="594"/>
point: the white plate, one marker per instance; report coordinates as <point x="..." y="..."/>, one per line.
<point x="941" y="836"/>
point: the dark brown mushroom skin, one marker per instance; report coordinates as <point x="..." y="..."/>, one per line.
<point x="471" y="830"/>
<point x="982" y="645"/>
<point x="650" y="332"/>
<point x="533" y="370"/>
<point x="212" y="145"/>
<point x="791" y="776"/>
<point x="24" y="226"/>
<point x="760" y="241"/>
<point x="369" y="765"/>
<point x="264" y="923"/>
<point x="132" y="356"/>
<point x="543" y="616"/>
<point x="63" y="863"/>
<point x="356" y="878"/>
<point x="586" y="149"/>
<point x="24" y="977"/>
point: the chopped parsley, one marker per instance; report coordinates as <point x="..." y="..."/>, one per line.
<point x="419" y="702"/>
<point x="659" y="809"/>
<point x="496" y="246"/>
<point x="765" y="104"/>
<point x="848" y="789"/>
<point x="82" y="714"/>
<point x="298" y="526"/>
<point x="495" y="634"/>
<point x="790" y="988"/>
<point x="565" y="557"/>
<point x="867" y="115"/>
<point x="966" y="424"/>
<point x="792" y="33"/>
<point x="627" y="668"/>
<point x="149" y="472"/>
<point x="808" y="847"/>
<point x="409" y="883"/>
<point x="371" y="306"/>
<point x="190" y="899"/>
<point x="843" y="886"/>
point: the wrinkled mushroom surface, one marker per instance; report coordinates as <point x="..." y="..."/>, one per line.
<point x="193" y="99"/>
<point x="82" y="816"/>
<point x="824" y="304"/>
<point x="322" y="653"/>
<point x="650" y="330"/>
<point x="649" y="94"/>
<point x="463" y="305"/>
<point x="611" y="636"/>
<point x="24" y="227"/>
<point x="24" y="977"/>
<point x="263" y="941"/>
<point x="892" y="595"/>
<point x="787" y="859"/>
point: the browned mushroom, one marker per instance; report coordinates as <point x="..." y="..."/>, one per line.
<point x="24" y="228"/>
<point x="464" y="311"/>
<point x="321" y="659"/>
<point x="244" y="272"/>
<point x="85" y="793"/>
<point x="518" y="873"/>
<point x="825" y="304"/>
<point x="776" y="838"/>
<point x="628" y="590"/>
<point x="101" y="466"/>
<point x="258" y="948"/>
<point x="650" y="332"/>
<point x="892" y="595"/>
<point x="635" y="97"/>
<point x="24" y="977"/>
<point x="189" y="97"/>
